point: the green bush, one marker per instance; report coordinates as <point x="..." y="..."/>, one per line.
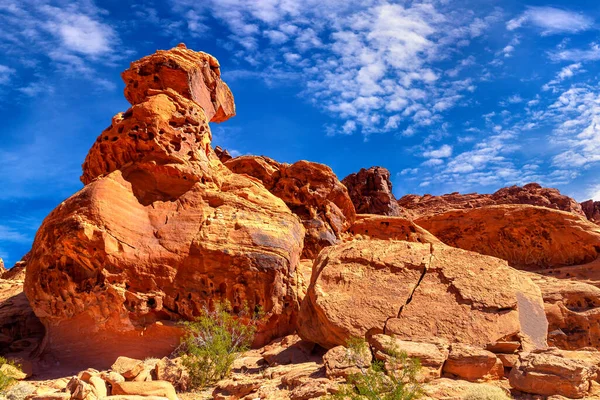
<point x="486" y="392"/>
<point x="5" y="380"/>
<point x="396" y="380"/>
<point x="213" y="341"/>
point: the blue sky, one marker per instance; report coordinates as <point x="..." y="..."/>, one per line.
<point x="448" y="95"/>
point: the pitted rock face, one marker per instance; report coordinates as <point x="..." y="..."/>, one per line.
<point x="311" y="190"/>
<point x="161" y="230"/>
<point x="193" y="74"/>
<point x="166" y="128"/>
<point x="371" y="192"/>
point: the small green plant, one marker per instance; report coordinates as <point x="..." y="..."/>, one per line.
<point x="486" y="392"/>
<point x="394" y="380"/>
<point x="5" y="380"/>
<point x="213" y="341"/>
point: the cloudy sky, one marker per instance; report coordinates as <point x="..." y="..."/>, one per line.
<point x="449" y="95"/>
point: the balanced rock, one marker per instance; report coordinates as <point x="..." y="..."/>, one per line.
<point x="193" y="74"/>
<point x="162" y="229"/>
<point x="371" y="192"/>
<point x="528" y="237"/>
<point x="311" y="190"/>
<point x="418" y="290"/>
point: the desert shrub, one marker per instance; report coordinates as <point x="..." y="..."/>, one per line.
<point x="5" y="380"/>
<point x="394" y="380"/>
<point x="212" y="342"/>
<point x="486" y="392"/>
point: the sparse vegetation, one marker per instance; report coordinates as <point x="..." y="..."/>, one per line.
<point x="394" y="380"/>
<point x="5" y="380"/>
<point x="486" y="392"/>
<point x="213" y="341"/>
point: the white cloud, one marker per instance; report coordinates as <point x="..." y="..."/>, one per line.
<point x="376" y="63"/>
<point x="594" y="192"/>
<point x="567" y="72"/>
<point x="577" y="55"/>
<point x="443" y="152"/>
<point x="6" y="73"/>
<point x="552" y="20"/>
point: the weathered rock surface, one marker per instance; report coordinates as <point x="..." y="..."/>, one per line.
<point x="371" y="192"/>
<point x="473" y="364"/>
<point x="432" y="353"/>
<point x="418" y="290"/>
<point x="193" y="74"/>
<point x="20" y="330"/>
<point x="343" y="362"/>
<point x="161" y="229"/>
<point x="528" y="237"/>
<point x="573" y="312"/>
<point x="390" y="228"/>
<point x="532" y="194"/>
<point x="591" y="209"/>
<point x="556" y="372"/>
<point x="311" y="190"/>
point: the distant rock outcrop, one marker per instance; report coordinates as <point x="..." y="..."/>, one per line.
<point x="532" y="194"/>
<point x="591" y="209"/>
<point x="371" y="192"/>
<point x="162" y="228"/>
<point x="311" y="190"/>
<point x="526" y="236"/>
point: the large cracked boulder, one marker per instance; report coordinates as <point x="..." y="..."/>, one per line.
<point x="528" y="237"/>
<point x="532" y="194"/>
<point x="415" y="290"/>
<point x="161" y="228"/>
<point x="371" y="192"/>
<point x="311" y="190"/>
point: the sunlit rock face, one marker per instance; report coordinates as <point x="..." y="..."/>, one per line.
<point x="162" y="228"/>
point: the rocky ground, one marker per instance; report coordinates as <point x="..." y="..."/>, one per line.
<point x="497" y="292"/>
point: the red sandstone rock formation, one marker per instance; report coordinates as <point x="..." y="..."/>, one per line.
<point x="311" y="191"/>
<point x="526" y="236"/>
<point x="161" y="228"/>
<point x="532" y="194"/>
<point x="591" y="209"/>
<point x="418" y="290"/>
<point x="371" y="192"/>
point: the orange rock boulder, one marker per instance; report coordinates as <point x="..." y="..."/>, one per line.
<point x="591" y="209"/>
<point x="371" y="192"/>
<point x="417" y="290"/>
<point x="161" y="228"/>
<point x="311" y="190"/>
<point x="526" y="236"/>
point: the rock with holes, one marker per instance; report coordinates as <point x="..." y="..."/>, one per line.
<point x="161" y="229"/>
<point x="311" y="190"/>
<point x="417" y="290"/>
<point x="528" y="237"/>
<point x="371" y="192"/>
